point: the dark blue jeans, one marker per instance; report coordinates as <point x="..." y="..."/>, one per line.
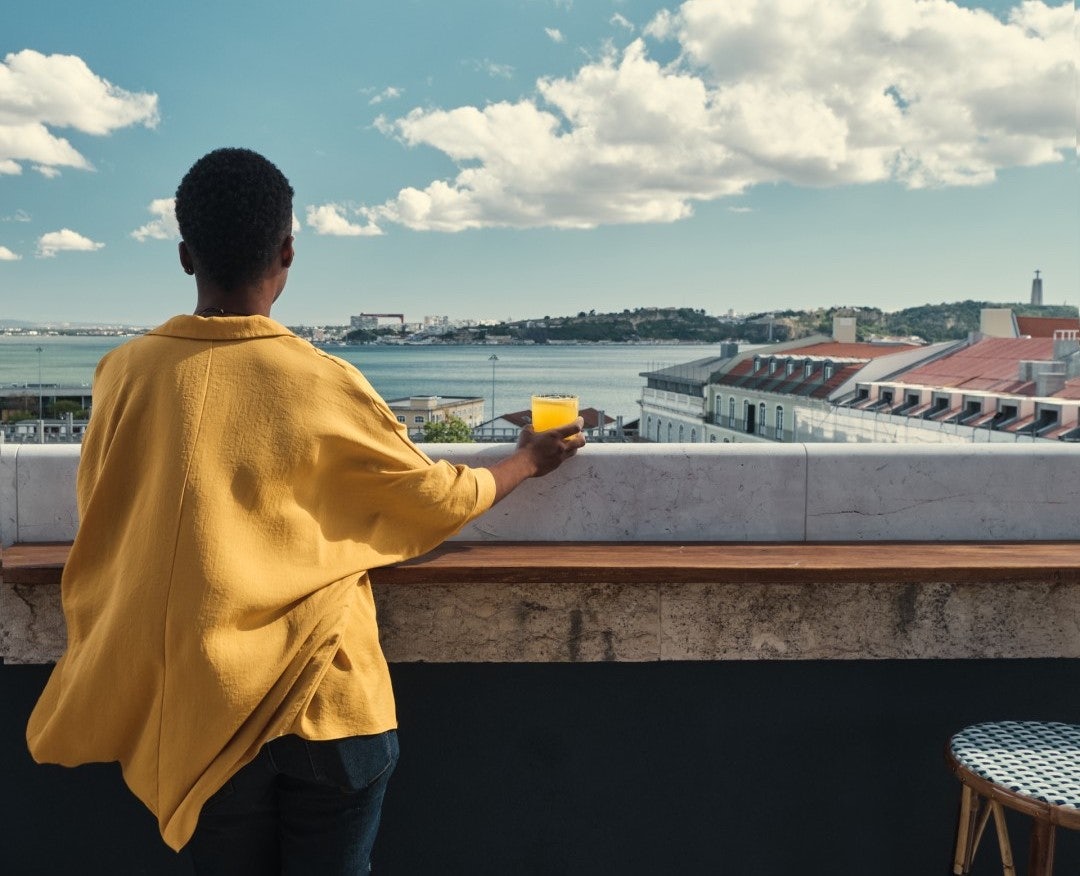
<point x="299" y="808"/>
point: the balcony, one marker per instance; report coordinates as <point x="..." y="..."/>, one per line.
<point x="610" y="723"/>
<point x="673" y="402"/>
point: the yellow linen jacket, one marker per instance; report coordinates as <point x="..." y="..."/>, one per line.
<point x="234" y="488"/>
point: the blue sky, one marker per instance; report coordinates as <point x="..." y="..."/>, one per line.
<point x="516" y="159"/>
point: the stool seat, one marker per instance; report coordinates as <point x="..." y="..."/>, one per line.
<point x="1029" y="766"/>
<point x="1035" y="759"/>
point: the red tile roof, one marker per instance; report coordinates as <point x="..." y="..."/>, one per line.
<point x="837" y="350"/>
<point x="1071" y="389"/>
<point x="991" y="365"/>
<point x="1045" y="326"/>
<point x="814" y="386"/>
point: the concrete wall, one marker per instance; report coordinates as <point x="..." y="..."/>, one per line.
<point x="716" y="492"/>
<point x="740" y="493"/>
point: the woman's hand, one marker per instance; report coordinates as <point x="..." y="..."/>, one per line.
<point x="537" y="454"/>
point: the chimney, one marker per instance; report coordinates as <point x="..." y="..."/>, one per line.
<point x="997" y="322"/>
<point x="1036" y="289"/>
<point x="843" y="329"/>
<point x="1066" y="342"/>
<point x="1049" y="382"/>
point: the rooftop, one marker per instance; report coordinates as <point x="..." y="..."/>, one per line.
<point x="989" y="365"/>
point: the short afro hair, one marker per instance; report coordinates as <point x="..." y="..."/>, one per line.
<point x="234" y="209"/>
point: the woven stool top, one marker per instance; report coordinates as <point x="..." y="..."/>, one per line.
<point x="1035" y="759"/>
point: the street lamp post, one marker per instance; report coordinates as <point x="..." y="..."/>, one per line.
<point x="493" y="359"/>
<point x="40" y="405"/>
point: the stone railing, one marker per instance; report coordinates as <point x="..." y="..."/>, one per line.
<point x="737" y="493"/>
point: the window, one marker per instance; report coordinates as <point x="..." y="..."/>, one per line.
<point x="808" y="368"/>
<point x="757" y="363"/>
<point x="680" y="433"/>
<point x="400" y="418"/>
<point x="1046" y="419"/>
<point x="789" y="369"/>
<point x="1005" y="415"/>
<point x="693" y="436"/>
<point x="761" y="418"/>
<point x="731" y="412"/>
<point x="419" y="418"/>
<point x="748" y="416"/>
<point x="973" y="407"/>
<point x="828" y="372"/>
<point x="712" y="439"/>
<point x="669" y="428"/>
<point x="772" y="366"/>
<point x="779" y="422"/>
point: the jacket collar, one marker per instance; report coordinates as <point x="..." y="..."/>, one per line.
<point x="221" y="328"/>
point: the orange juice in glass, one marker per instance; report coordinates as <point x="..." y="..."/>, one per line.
<point x="552" y="411"/>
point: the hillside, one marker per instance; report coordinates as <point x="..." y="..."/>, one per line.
<point x="931" y="322"/>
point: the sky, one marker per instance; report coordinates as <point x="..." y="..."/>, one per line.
<point x="493" y="159"/>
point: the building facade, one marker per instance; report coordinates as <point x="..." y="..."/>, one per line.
<point x="998" y="385"/>
<point x="417" y="410"/>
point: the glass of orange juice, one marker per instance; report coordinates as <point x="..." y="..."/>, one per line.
<point x="552" y="411"/>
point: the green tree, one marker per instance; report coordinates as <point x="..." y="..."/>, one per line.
<point x="64" y="407"/>
<point x="452" y="430"/>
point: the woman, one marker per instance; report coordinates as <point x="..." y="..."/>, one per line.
<point x="235" y="486"/>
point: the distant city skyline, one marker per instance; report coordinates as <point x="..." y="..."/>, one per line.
<point x="490" y="161"/>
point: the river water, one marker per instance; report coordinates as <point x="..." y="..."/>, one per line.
<point x="603" y="376"/>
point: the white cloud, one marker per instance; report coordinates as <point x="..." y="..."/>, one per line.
<point x="17" y="216"/>
<point x="388" y="93"/>
<point x="64" y="240"/>
<point x="46" y="171"/>
<point x="763" y="91"/>
<point x="492" y="69"/>
<point x="41" y="92"/>
<point x="164" y="226"/>
<point x="6" y="255"/>
<point x="740" y="209"/>
<point x="622" y="21"/>
<point x="331" y="219"/>
<point x="555" y="34"/>
<point x="295" y="225"/>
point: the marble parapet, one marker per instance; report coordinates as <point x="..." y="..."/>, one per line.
<point x="729" y="492"/>
<point x="701" y="492"/>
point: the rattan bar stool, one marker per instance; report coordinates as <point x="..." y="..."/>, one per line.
<point x="1030" y="766"/>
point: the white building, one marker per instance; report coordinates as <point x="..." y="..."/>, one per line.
<point x="996" y="386"/>
<point x="790" y="392"/>
<point x="417" y="410"/>
<point x="673" y="399"/>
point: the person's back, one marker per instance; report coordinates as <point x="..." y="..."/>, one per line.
<point x="236" y="484"/>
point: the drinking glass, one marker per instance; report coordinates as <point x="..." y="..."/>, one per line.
<point x="552" y="411"/>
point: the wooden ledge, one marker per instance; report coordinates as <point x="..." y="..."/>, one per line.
<point x="669" y="562"/>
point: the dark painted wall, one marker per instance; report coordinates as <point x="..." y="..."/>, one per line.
<point x="786" y="768"/>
